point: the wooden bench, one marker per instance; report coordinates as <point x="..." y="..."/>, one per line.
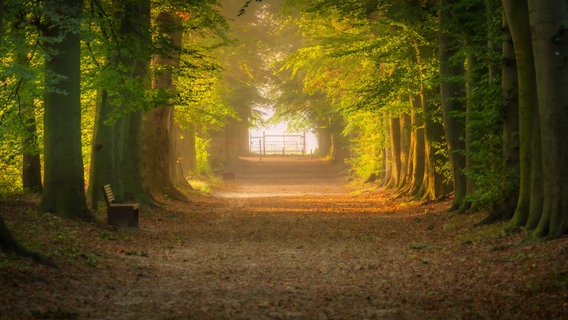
<point x="120" y="214"/>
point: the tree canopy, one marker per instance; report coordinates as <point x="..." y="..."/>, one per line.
<point x="436" y="99"/>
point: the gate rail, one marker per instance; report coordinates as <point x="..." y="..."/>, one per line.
<point x="284" y="144"/>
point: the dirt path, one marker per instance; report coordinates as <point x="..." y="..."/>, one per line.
<point x="287" y="240"/>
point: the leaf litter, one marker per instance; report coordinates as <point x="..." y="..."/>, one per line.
<point x="303" y="246"/>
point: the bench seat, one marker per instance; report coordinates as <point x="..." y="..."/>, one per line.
<point x="124" y="215"/>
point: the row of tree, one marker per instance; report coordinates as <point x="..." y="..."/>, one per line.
<point x="437" y="97"/>
<point x="123" y="88"/>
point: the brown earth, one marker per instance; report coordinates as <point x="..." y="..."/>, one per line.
<point x="287" y="239"/>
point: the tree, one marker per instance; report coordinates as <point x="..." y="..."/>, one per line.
<point x="452" y="91"/>
<point x="504" y="207"/>
<point x="246" y="73"/>
<point x="31" y="165"/>
<point x="159" y="122"/>
<point x="64" y="186"/>
<point x="116" y="156"/>
<point x="518" y="20"/>
<point x="7" y="241"/>
<point x="550" y="46"/>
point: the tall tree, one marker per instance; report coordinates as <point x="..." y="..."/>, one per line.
<point x="116" y="156"/>
<point x="517" y="15"/>
<point x="64" y="185"/>
<point x="159" y="122"/>
<point x="25" y="98"/>
<point x="452" y="92"/>
<point x="7" y="241"/>
<point x="550" y="46"/>
<point x="31" y="163"/>
<point x="504" y="208"/>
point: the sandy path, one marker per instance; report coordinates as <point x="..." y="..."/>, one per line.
<point x="291" y="244"/>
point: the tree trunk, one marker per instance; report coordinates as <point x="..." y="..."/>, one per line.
<point x="419" y="159"/>
<point x="159" y="123"/>
<point x="504" y="208"/>
<point x="184" y="156"/>
<point x="186" y="152"/>
<point x="137" y="27"/>
<point x="452" y="93"/>
<point x="387" y="155"/>
<point x="104" y="165"/>
<point x="433" y="185"/>
<point x="116" y="152"/>
<point x="395" y="147"/>
<point x="518" y="21"/>
<point x="132" y="160"/>
<point x="471" y="134"/>
<point x="238" y="134"/>
<point x="31" y="164"/>
<point x="158" y="132"/>
<point x="64" y="185"/>
<point x="407" y="148"/>
<point x="550" y="46"/>
<point x="324" y="141"/>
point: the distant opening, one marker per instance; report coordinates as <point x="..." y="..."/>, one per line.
<point x="278" y="139"/>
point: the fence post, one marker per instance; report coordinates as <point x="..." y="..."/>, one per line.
<point x="304" y="144"/>
<point x="264" y="142"/>
<point x="260" y="148"/>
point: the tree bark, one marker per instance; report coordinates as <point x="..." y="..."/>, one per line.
<point x="471" y="134"/>
<point x="116" y="151"/>
<point x="550" y="46"/>
<point x="419" y="155"/>
<point x="138" y="28"/>
<point x="31" y="164"/>
<point x="518" y="21"/>
<point x="186" y="153"/>
<point x="159" y="122"/>
<point x="406" y="154"/>
<point x="452" y="94"/>
<point x="104" y="165"/>
<point x="395" y="147"/>
<point x="435" y="185"/>
<point x="64" y="185"/>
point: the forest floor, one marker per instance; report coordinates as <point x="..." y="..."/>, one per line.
<point x="287" y="239"/>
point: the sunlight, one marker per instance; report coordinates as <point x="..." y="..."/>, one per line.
<point x="280" y="129"/>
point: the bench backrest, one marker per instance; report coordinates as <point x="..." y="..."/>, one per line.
<point x="108" y="195"/>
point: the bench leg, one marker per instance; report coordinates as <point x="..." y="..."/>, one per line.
<point x="123" y="217"/>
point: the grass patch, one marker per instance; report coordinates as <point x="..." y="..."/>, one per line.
<point x="482" y="234"/>
<point x="201" y="185"/>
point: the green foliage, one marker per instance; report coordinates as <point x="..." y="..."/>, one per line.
<point x="106" y="49"/>
<point x="486" y="154"/>
<point x="21" y="79"/>
<point x="202" y="167"/>
<point x="362" y="60"/>
<point x="366" y="133"/>
<point x="11" y="181"/>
